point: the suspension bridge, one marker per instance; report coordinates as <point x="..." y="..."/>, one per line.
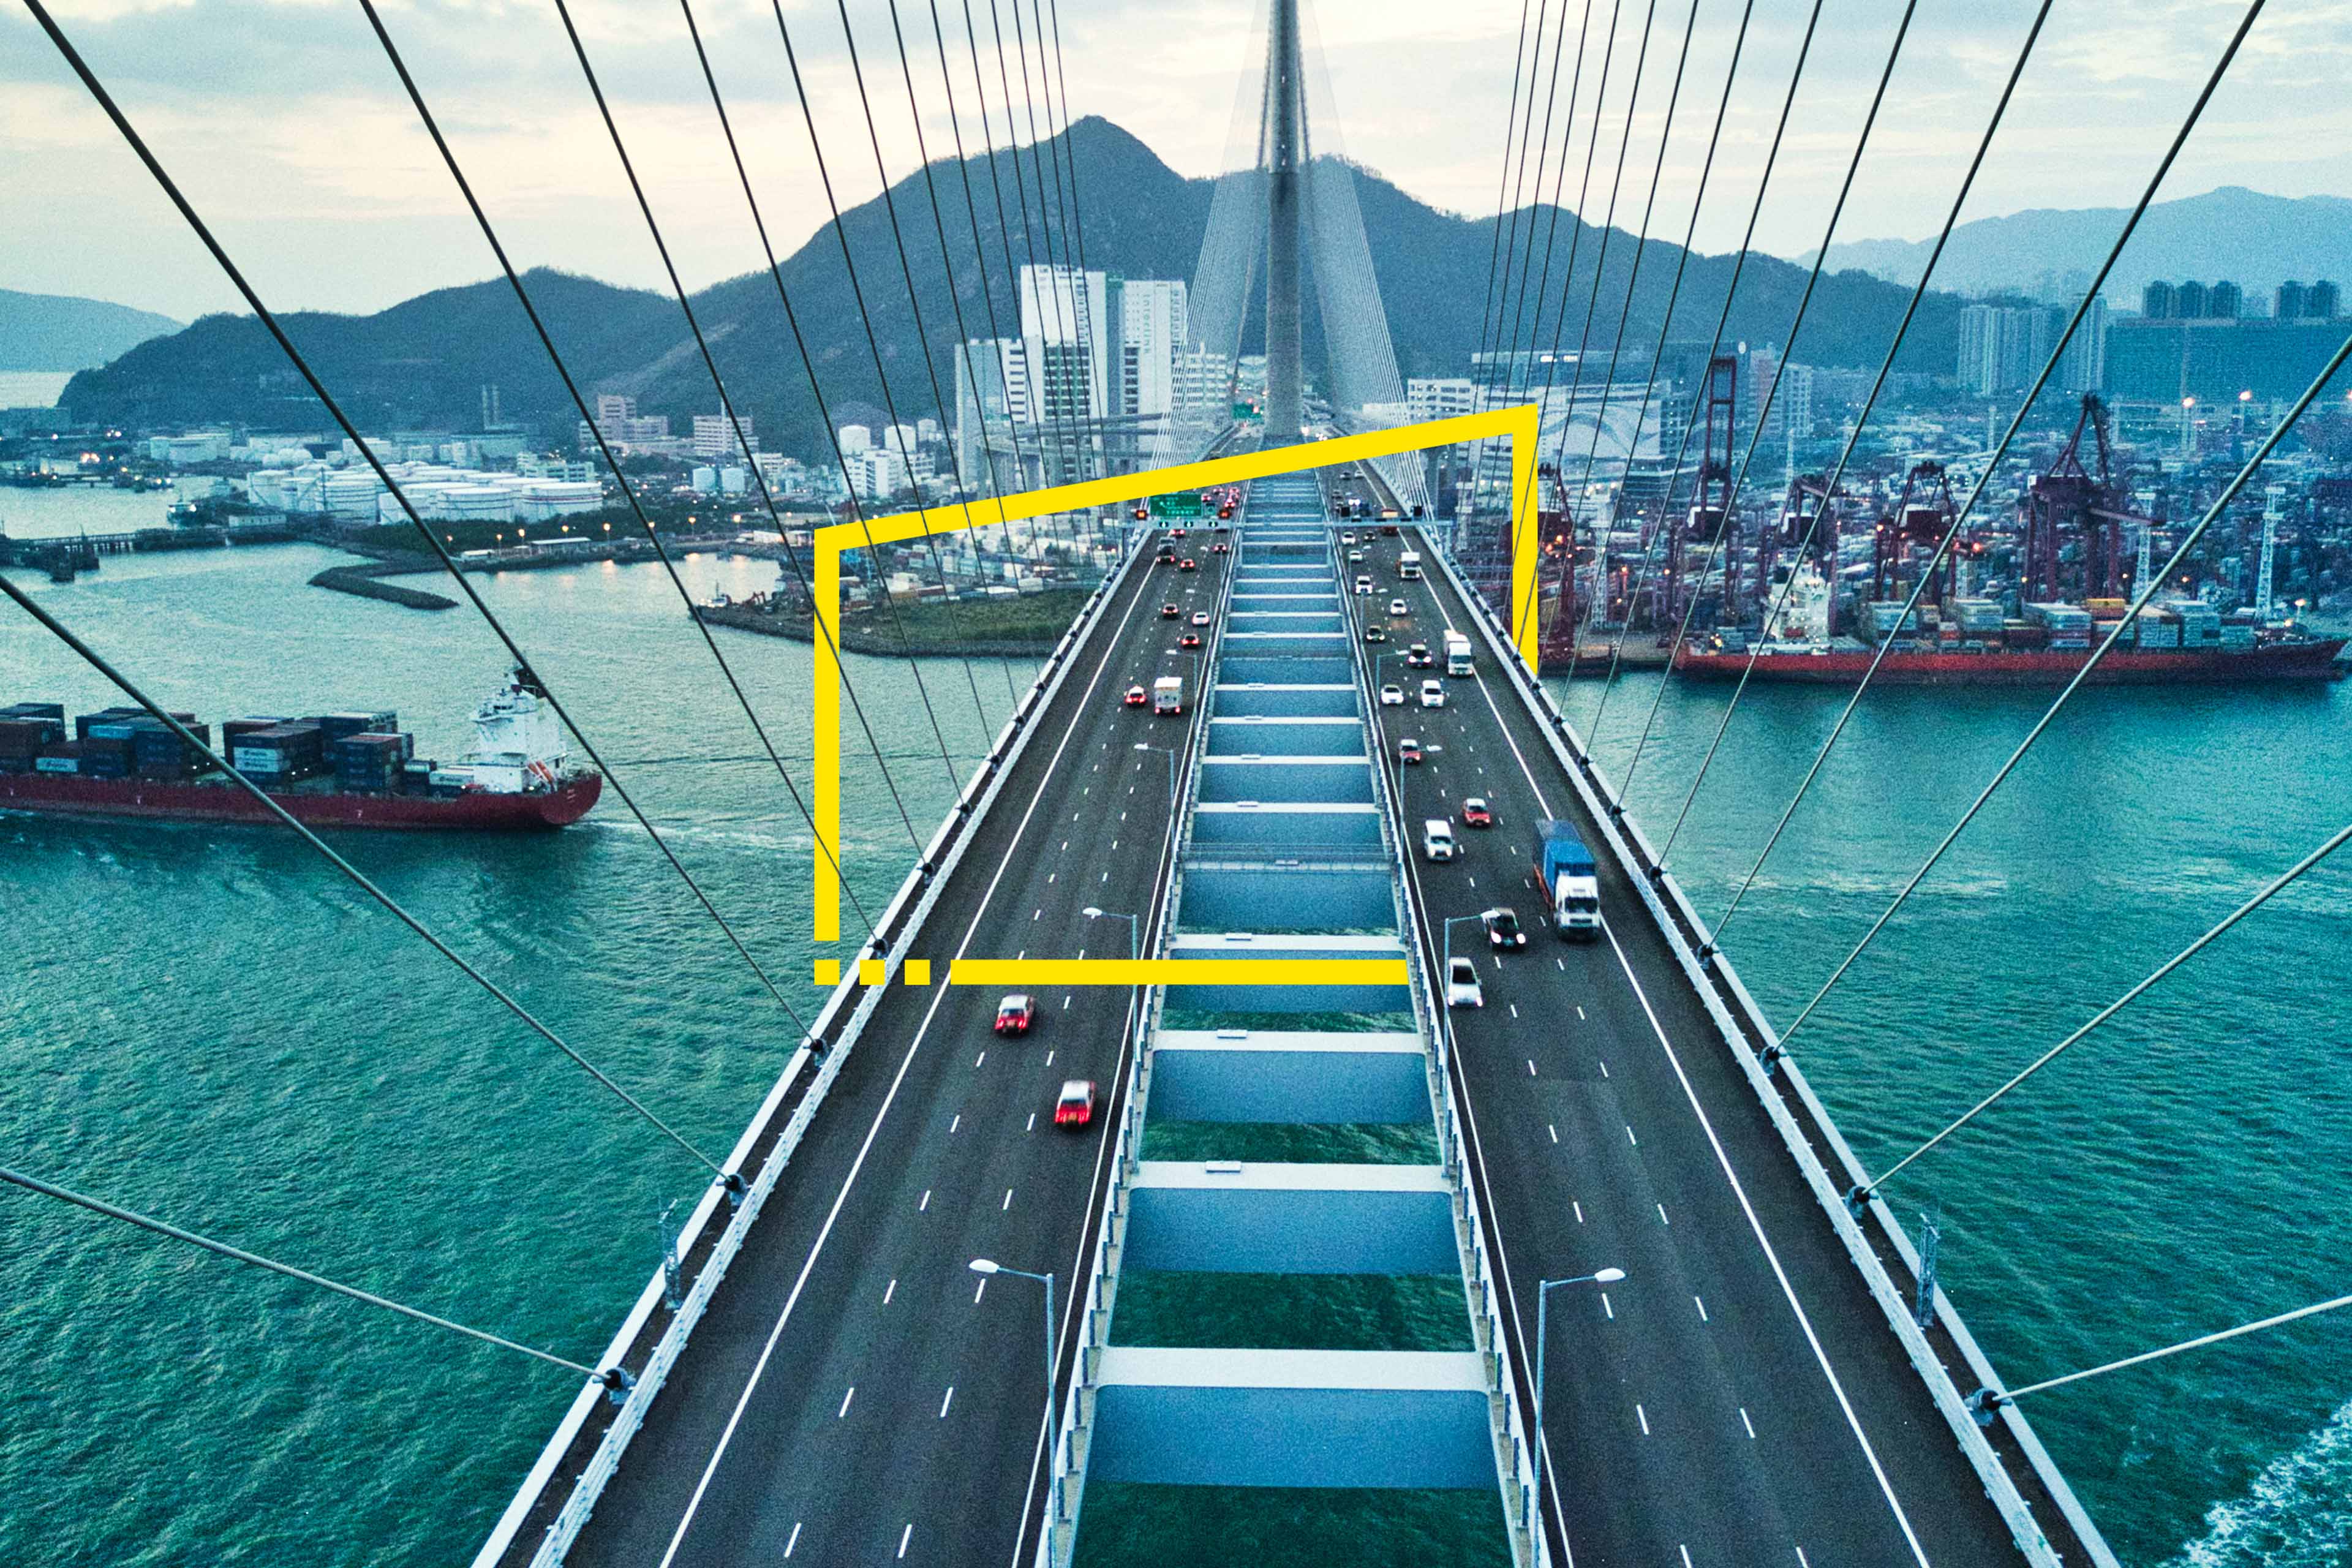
<point x="1639" y="1301"/>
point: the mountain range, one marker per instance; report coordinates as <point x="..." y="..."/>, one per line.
<point x="2255" y="240"/>
<point x="58" y="332"/>
<point x="422" y="363"/>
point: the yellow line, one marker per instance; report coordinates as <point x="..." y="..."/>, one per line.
<point x="1126" y="972"/>
<point x="1521" y="425"/>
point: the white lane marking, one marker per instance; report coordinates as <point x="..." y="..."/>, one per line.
<point x="1636" y="1142"/>
<point x="1563" y="969"/>
<point x="889" y="1291"/>
<point x="1686" y="1551"/>
<point x="1049" y="1058"/>
<point x="1579" y="1011"/>
<point x="926" y="1204"/>
<point x="844" y="1401"/>
<point x="1751" y="1434"/>
<point x="909" y="1534"/>
<point x="1065" y="1001"/>
<point x="1662" y="1216"/>
<point x="979" y="1059"/>
<point x="1050" y="878"/>
<point x="1032" y="1123"/>
<point x="1038" y="916"/>
<point x="1553" y="1130"/>
<point x="1643" y="1416"/>
<point x="1606" y="1308"/>
<point x="1579" y="1208"/>
<point x="1800" y="1559"/>
<point x="948" y="1401"/>
<point x="1515" y="1013"/>
<point x="1701" y="1310"/>
<point x="1755" y="1225"/>
<point x="1008" y="1198"/>
<point x="956" y="1124"/>
<point x="977" y="1291"/>
<point x="1604" y="1067"/>
<point x="1531" y="1066"/>
<point x="794" y="1539"/>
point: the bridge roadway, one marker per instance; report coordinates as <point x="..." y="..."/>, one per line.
<point x="1737" y="1399"/>
<point x="855" y="1395"/>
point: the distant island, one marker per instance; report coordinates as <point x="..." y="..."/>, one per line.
<point x="61" y="333"/>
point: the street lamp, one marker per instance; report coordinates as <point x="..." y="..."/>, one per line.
<point x="1543" y="1301"/>
<point x="1053" y="1438"/>
<point x="1134" y="947"/>
<point x="1170" y="754"/>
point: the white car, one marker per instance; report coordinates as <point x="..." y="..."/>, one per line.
<point x="1462" y="984"/>
<point x="1355" y="558"/>
<point x="1363" y="585"/>
<point x="1397" y="607"/>
<point x="1432" y="694"/>
<point x="1347" y="539"/>
<point x="1437" y="838"/>
<point x="1391" y="696"/>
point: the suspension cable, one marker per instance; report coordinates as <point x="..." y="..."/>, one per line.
<point x="1764" y="410"/>
<point x="1829" y="490"/>
<point x="1503" y="182"/>
<point x="1074" y="220"/>
<point x="1992" y="464"/>
<point x="204" y="233"/>
<point x="866" y="317"/>
<point x="1666" y="518"/>
<point x="1616" y="344"/>
<point x="579" y="401"/>
<point x="123" y="683"/>
<point x="1657" y="359"/>
<point x="1993" y="1399"/>
<point x="613" y="1379"/>
<point x="1508" y="341"/>
<point x="2260" y="897"/>
<point x="727" y="404"/>
<point x="2335" y="362"/>
<point x="1078" y="424"/>
<point x="955" y="299"/>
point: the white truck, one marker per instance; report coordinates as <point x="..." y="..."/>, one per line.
<point x="1168" y="694"/>
<point x="1458" y="655"/>
<point x="1409" y="565"/>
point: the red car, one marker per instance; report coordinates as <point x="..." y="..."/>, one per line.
<point x="1136" y="697"/>
<point x="1175" y="533"/>
<point x="1221" y="548"/>
<point x="1409" y="751"/>
<point x="1475" y="813"/>
<point x="1015" y="1014"/>
<point x="1190" y="639"/>
<point x="1169" y="612"/>
<point x="1188" y="564"/>
<point x="1076" y="1105"/>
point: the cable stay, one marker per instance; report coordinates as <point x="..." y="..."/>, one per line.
<point x="588" y="420"/>
<point x="1764" y="409"/>
<point x="1541" y="288"/>
<point x="1985" y="1401"/>
<point x="2131" y="613"/>
<point x="1503" y="185"/>
<point x="2269" y="889"/>
<point x="1491" y="341"/>
<point x="615" y="1380"/>
<point x="1869" y="404"/>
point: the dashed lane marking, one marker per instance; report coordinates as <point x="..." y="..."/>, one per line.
<point x="794" y="1538"/>
<point x="844" y="1401"/>
<point x="889" y="1291"/>
<point x="1701" y="1304"/>
<point x="1751" y="1436"/>
<point x="1636" y="1142"/>
<point x="1662" y="1216"/>
<point x="1643" y="1416"/>
<point x="946" y="1402"/>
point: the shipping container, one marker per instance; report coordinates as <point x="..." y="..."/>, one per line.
<point x="55" y="710"/>
<point x="335" y="726"/>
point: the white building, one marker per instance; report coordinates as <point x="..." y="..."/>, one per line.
<point x="437" y="492"/>
<point x="877" y="473"/>
<point x="854" y="437"/>
<point x="196" y="447"/>
<point x="1153" y="320"/>
<point x="714" y="434"/>
<point x="1440" y="397"/>
<point x="624" y="431"/>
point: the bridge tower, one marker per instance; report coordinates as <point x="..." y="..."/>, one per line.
<point x="1285" y="134"/>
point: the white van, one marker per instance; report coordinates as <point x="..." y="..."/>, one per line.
<point x="1437" y="838"/>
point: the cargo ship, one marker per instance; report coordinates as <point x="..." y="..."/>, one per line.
<point x="1973" y="642"/>
<point x="330" y="770"/>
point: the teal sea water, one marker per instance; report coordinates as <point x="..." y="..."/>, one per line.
<point x="209" y="1025"/>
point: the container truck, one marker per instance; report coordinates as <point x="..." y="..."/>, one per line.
<point x="1458" y="655"/>
<point x="1168" y="694"/>
<point x="1568" y="880"/>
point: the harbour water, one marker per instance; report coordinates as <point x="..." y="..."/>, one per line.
<point x="207" y="1023"/>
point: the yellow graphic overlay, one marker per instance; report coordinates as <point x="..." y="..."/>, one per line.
<point x="1517" y="424"/>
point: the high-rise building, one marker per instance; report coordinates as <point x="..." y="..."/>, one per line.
<point x="1440" y="398"/>
<point x="2189" y="299"/>
<point x="2319" y="301"/>
<point x="2288" y="302"/>
<point x="2158" y="302"/>
<point x="624" y="430"/>
<point x="2004" y="347"/>
<point x="714" y="434"/>
<point x="1152" y="323"/>
<point x="2084" y="367"/>
<point x="2224" y="300"/>
<point x="854" y="437"/>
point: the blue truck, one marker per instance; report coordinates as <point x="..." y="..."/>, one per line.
<point x="1570" y="881"/>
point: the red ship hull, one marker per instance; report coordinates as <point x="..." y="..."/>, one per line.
<point x="476" y="811"/>
<point x="2313" y="661"/>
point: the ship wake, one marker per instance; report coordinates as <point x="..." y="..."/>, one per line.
<point x="2296" y="1514"/>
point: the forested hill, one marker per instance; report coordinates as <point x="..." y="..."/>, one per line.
<point x="422" y="363"/>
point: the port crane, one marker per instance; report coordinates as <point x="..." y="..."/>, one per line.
<point x="1923" y="514"/>
<point x="2071" y="521"/>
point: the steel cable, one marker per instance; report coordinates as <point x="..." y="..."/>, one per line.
<point x="1503" y="185"/>
<point x="1918" y="294"/>
<point x="2260" y="897"/>
<point x="614" y="1378"/>
<point x="1764" y="409"/>
<point x="1508" y="343"/>
<point x="1490" y="334"/>
<point x="2335" y="362"/>
<point x="538" y="326"/>
<point x="123" y="683"/>
<point x="1083" y="427"/>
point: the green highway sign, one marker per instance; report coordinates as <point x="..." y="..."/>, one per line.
<point x="1186" y="505"/>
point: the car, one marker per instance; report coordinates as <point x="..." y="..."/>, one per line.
<point x="1189" y="640"/>
<point x="1199" y="617"/>
<point x="1165" y="558"/>
<point x="1409" y="751"/>
<point x="1363" y="585"/>
<point x="1432" y="694"/>
<point x="1462" y="984"/>
<point x="1136" y="697"/>
<point x="1475" y="813"/>
<point x="1437" y="838"/>
<point x="1376" y="634"/>
<point x="1387" y="531"/>
<point x="1355" y="558"/>
<point x="1015" y="1014"/>
<point x="1221" y="548"/>
<point x="1188" y="564"/>
<point x="1503" y="929"/>
<point x="1347" y="539"/>
<point x="1169" y="612"/>
<point x="1399" y="607"/>
<point x="1417" y="656"/>
<point x="1075" y="1106"/>
<point x="1391" y="696"/>
<point x="1175" y="533"/>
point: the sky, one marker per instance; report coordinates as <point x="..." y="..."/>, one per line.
<point x="291" y="135"/>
